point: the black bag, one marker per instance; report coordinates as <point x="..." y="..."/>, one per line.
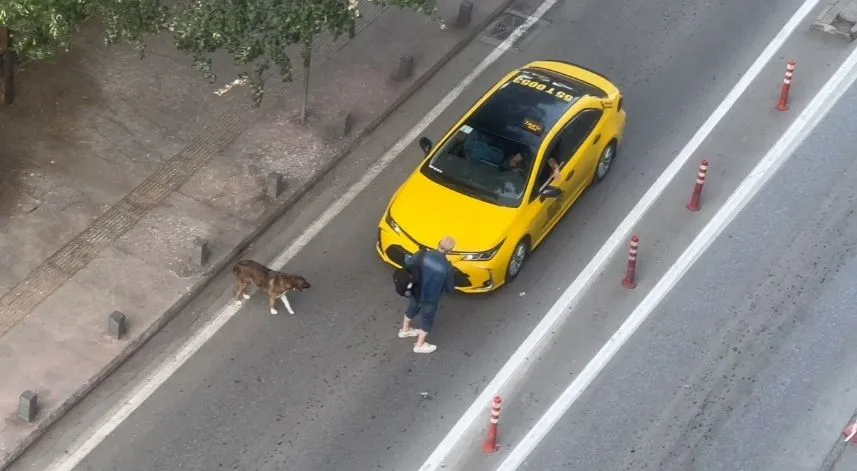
<point x="408" y="282"/>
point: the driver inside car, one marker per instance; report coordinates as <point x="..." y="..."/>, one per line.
<point x="517" y="160"/>
<point x="478" y="148"/>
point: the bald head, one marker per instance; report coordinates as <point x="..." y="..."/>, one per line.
<point x="446" y="244"/>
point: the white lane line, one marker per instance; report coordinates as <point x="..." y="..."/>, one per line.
<point x="832" y="91"/>
<point x="563" y="307"/>
<point x="162" y="373"/>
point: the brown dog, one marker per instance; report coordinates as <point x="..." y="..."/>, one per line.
<point x="275" y="284"/>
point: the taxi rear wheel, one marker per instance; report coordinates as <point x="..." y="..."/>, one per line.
<point x="518" y="258"/>
<point x="605" y="161"/>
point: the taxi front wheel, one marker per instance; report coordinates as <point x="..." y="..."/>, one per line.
<point x="605" y="162"/>
<point x="519" y="256"/>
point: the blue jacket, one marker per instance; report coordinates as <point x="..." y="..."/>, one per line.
<point x="436" y="275"/>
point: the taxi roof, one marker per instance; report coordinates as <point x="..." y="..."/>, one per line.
<point x="512" y="105"/>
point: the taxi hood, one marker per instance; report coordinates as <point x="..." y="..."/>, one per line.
<point x="428" y="211"/>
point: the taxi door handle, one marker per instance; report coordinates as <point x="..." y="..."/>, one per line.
<point x="597" y="138"/>
<point x="570" y="174"/>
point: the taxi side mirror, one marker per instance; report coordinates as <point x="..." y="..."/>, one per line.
<point x="425" y="145"/>
<point x="550" y="192"/>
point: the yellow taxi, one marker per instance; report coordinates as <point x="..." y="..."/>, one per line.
<point x="504" y="175"/>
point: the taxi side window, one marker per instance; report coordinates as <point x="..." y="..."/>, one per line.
<point x="573" y="136"/>
<point x="567" y="142"/>
<point x="545" y="173"/>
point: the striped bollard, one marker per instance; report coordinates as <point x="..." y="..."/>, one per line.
<point x="693" y="205"/>
<point x="783" y="103"/>
<point x="630" y="280"/>
<point x="490" y="445"/>
<point x="850" y="433"/>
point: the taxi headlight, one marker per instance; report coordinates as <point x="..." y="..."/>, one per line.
<point x="392" y="223"/>
<point x="481" y="256"/>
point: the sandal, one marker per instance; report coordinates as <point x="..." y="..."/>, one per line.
<point x="408" y="333"/>
<point x="425" y="348"/>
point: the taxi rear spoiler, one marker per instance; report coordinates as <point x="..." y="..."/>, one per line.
<point x="583" y="68"/>
<point x="605" y="104"/>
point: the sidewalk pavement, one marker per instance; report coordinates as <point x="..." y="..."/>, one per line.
<point x="112" y="166"/>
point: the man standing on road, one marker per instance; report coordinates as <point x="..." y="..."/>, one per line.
<point x="436" y="278"/>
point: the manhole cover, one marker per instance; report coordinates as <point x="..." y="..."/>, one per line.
<point x="502" y="27"/>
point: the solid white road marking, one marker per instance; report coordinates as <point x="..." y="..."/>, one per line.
<point x="171" y="364"/>
<point x="832" y="91"/>
<point x="560" y="311"/>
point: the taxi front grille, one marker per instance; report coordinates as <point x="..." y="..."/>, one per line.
<point x="397" y="253"/>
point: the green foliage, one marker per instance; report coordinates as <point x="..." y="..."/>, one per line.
<point x="132" y="20"/>
<point x="257" y="33"/>
<point x="41" y="27"/>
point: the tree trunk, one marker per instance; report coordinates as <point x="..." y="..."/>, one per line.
<point x="306" y="56"/>
<point x="7" y="67"/>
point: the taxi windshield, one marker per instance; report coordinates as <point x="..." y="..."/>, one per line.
<point x="491" y="156"/>
<point x="483" y="165"/>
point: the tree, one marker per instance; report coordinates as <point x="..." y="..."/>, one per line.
<point x="313" y="18"/>
<point x="257" y="33"/>
<point x="40" y="28"/>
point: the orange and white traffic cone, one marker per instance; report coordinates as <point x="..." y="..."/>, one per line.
<point x="693" y="205"/>
<point x="850" y="433"/>
<point x="630" y="280"/>
<point x="490" y="445"/>
<point x="783" y="102"/>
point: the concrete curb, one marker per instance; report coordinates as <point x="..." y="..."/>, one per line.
<point x="264" y="223"/>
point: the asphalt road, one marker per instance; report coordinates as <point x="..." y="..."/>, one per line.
<point x="332" y="388"/>
<point x="748" y="364"/>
